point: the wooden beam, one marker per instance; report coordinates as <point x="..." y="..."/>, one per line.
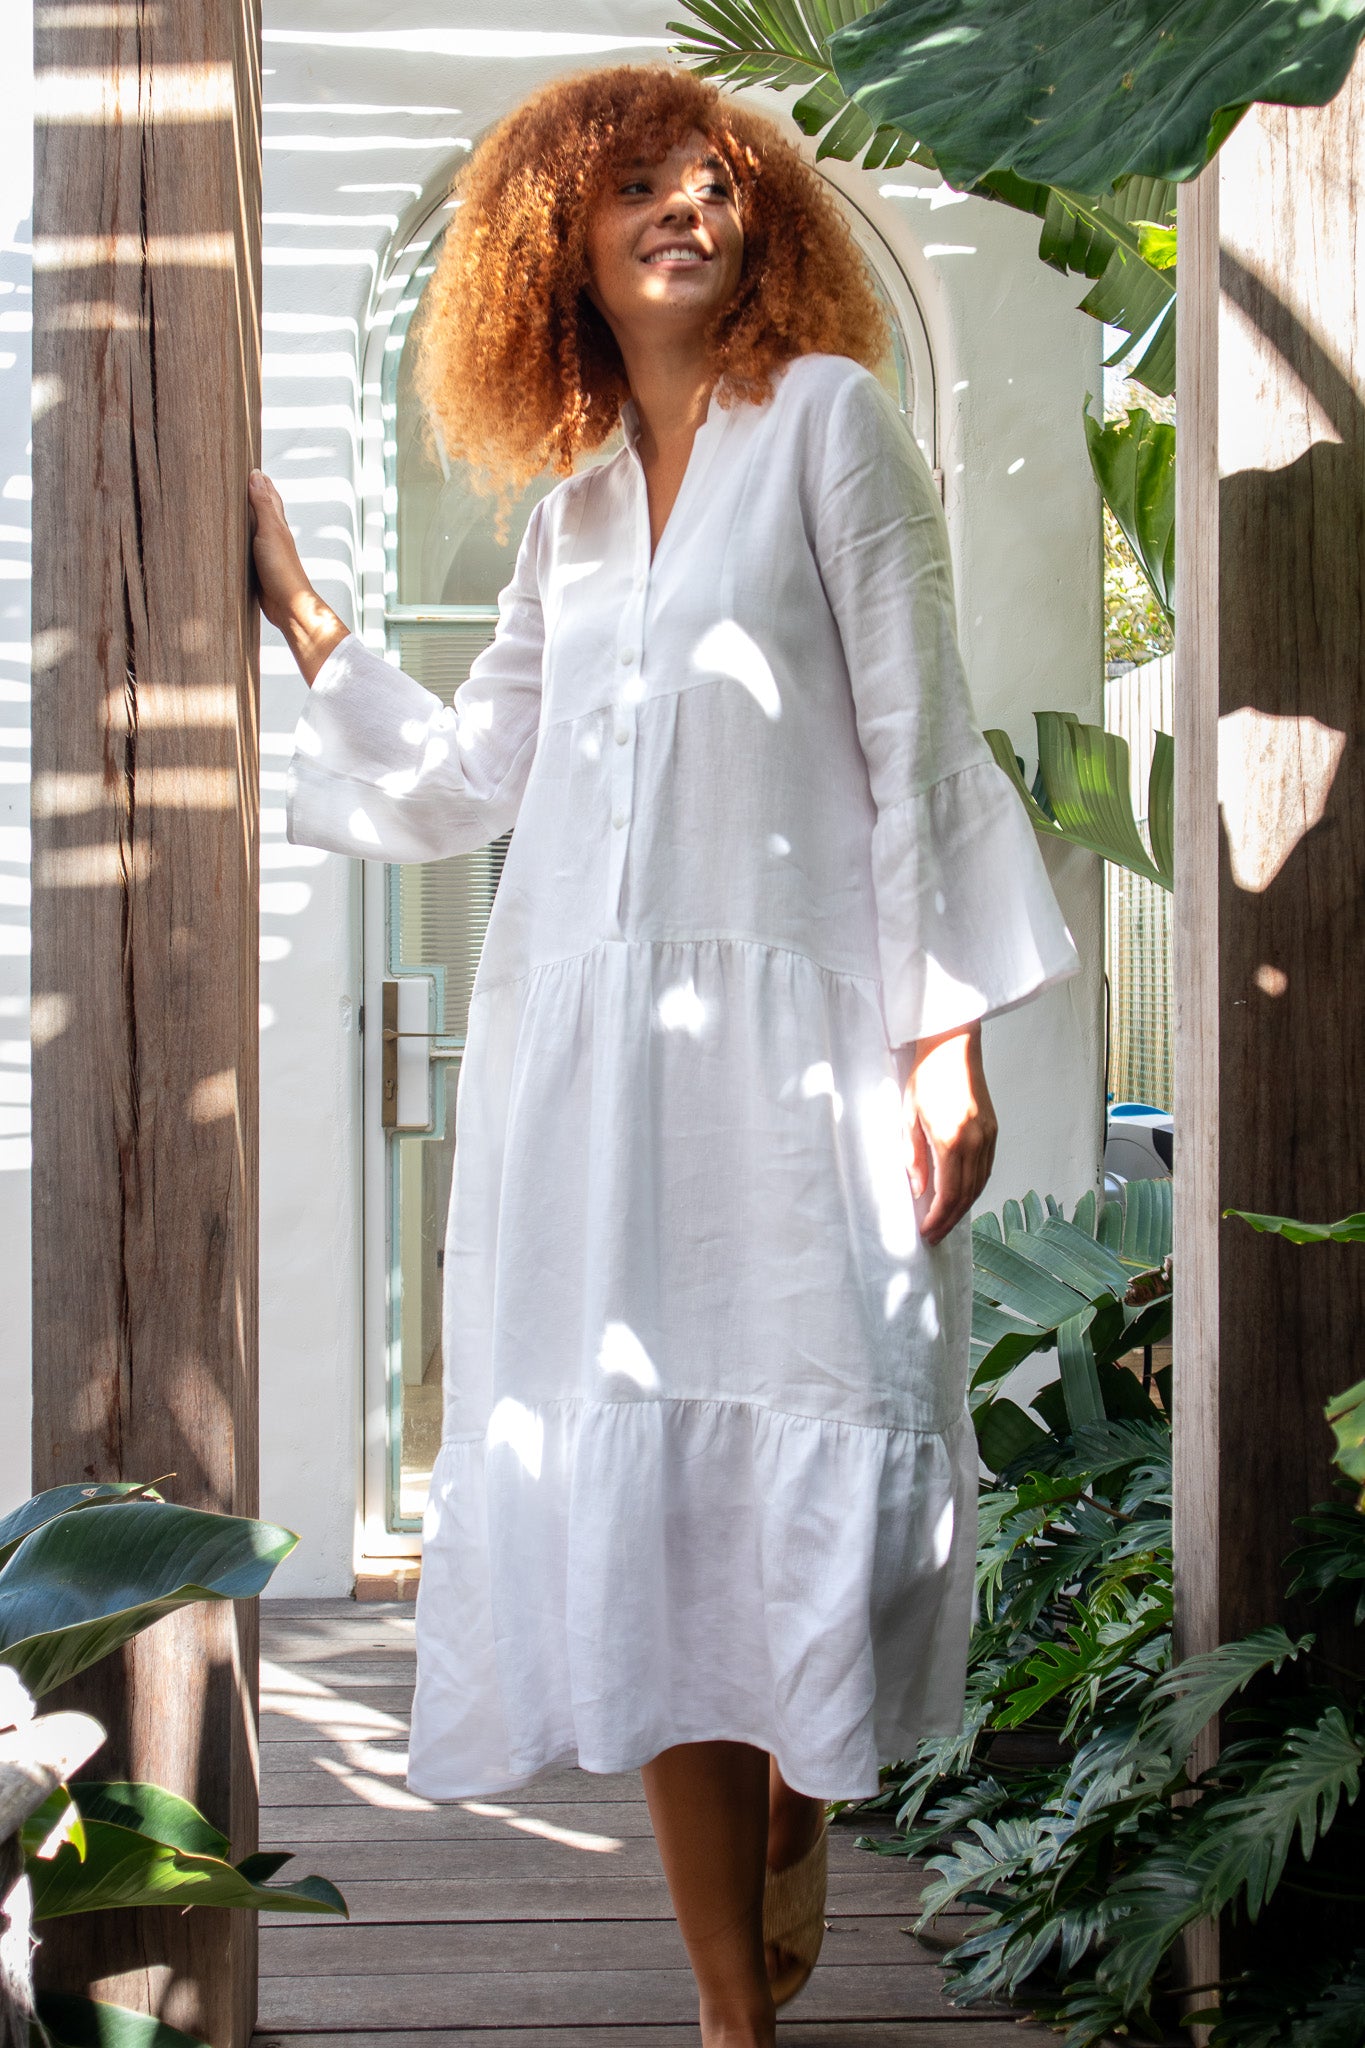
<point x="145" y="753"/>
<point x="1270" y="856"/>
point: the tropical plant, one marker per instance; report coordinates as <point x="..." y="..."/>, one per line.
<point x="1134" y="464"/>
<point x="1065" y="1810"/>
<point x="1122" y="242"/>
<point x="1080" y="94"/>
<point x="1081" y="793"/>
<point x="82" y="1570"/>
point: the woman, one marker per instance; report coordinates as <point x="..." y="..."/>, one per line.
<point x="705" y="1501"/>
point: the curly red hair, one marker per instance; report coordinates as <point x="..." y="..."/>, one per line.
<point x="516" y="366"/>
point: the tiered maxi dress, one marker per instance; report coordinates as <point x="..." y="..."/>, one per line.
<point x="706" y="1470"/>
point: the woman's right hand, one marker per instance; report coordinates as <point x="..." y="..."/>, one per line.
<point x="289" y="601"/>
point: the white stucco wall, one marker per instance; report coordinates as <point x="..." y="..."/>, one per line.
<point x="367" y="108"/>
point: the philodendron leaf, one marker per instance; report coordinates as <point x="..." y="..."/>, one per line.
<point x="81" y="1585"/>
<point x="75" y="2022"/>
<point x="1081" y="93"/>
<point x="1134" y="464"/>
<point x="145" y="1846"/>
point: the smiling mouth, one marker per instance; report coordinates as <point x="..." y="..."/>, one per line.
<point x="677" y="255"/>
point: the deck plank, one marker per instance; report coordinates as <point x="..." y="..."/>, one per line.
<point x="531" y="1919"/>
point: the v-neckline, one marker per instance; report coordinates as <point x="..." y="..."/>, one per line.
<point x="694" y="467"/>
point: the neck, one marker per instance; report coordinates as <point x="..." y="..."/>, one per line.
<point x="671" y="385"/>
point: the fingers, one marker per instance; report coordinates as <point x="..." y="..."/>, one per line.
<point x="920" y="1158"/>
<point x="960" y="1172"/>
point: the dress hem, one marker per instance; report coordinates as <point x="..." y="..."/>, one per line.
<point x="811" y="1784"/>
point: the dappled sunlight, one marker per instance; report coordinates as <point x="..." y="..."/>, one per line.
<point x="375" y="1791"/>
<point x="680" y="1008"/>
<point x="1275" y="774"/>
<point x="943" y="1536"/>
<point x="727" y="650"/>
<point x="544" y="1830"/>
<point x="333" y="1716"/>
<point x="881" y="1129"/>
<point x="622" y="1352"/>
<point x="521" y="1430"/>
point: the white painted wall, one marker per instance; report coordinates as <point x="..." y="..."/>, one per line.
<point x="367" y="107"/>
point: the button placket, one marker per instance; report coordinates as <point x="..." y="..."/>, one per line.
<point x="625" y="711"/>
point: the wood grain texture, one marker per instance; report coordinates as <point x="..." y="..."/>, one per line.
<point x="948" y="2030"/>
<point x="1290" y="891"/>
<point x="146" y="403"/>
<point x="535" y="1917"/>
<point x="1270" y="862"/>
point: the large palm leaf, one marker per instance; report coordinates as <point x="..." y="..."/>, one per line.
<point x="786" y="44"/>
<point x="1083" y="92"/>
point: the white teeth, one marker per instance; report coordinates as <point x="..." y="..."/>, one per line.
<point x="675" y="256"/>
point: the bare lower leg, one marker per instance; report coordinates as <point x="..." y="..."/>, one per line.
<point x="708" y="1802"/>
<point x="794" y="1822"/>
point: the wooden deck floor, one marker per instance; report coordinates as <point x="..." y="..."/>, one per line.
<point x="528" y="1920"/>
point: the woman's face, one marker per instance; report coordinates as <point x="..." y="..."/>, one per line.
<point x="665" y="245"/>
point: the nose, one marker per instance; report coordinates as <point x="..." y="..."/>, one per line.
<point x="678" y="206"/>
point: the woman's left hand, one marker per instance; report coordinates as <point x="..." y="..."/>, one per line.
<point x="951" y="1121"/>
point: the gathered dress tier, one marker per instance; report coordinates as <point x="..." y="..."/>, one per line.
<point x="707" y="1469"/>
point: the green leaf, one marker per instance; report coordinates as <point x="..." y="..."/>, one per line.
<point x="783" y="43"/>
<point x="1350" y="1230"/>
<point x="57" y="1820"/>
<point x="1346" y="1414"/>
<point x="1134" y="465"/>
<point x="1004" y="1433"/>
<point x="79" y="1586"/>
<point x="1084" y="772"/>
<point x="62" y="1500"/>
<point x="1080" y="1382"/>
<point x="125" y="1867"/>
<point x="1074" y="93"/>
<point x="1185" y="1699"/>
<point x="74" y="2022"/>
<point x="1018" y="1284"/>
<point x="152" y="1811"/>
<point x="1298" y="1793"/>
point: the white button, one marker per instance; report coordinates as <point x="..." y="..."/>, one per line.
<point x="627" y="655"/>
<point x="622" y="735"/>
<point x="619" y="820"/>
<point x="639" y="583"/>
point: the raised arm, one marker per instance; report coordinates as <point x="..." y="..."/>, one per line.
<point x="382" y="769"/>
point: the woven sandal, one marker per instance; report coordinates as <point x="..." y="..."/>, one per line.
<point x="794" y="1915"/>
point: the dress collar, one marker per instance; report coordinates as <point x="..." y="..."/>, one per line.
<point x="630" y="419"/>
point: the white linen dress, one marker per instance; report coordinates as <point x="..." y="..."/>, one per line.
<point x="706" y="1468"/>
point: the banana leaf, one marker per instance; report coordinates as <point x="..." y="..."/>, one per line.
<point x="74" y="2022"/>
<point x="63" y="1500"/>
<point x="785" y="44"/>
<point x="80" y="1585"/>
<point x="1134" y="465"/>
<point x="1350" y="1230"/>
<point x="1083" y="92"/>
<point x="1083" y="774"/>
<point x="145" y="1846"/>
<point x="1041" y="1281"/>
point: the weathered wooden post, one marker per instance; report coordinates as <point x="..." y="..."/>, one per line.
<point x="146" y="387"/>
<point x="1270" y="820"/>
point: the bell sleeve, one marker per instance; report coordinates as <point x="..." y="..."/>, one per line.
<point x="967" y="921"/>
<point x="382" y="769"/>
